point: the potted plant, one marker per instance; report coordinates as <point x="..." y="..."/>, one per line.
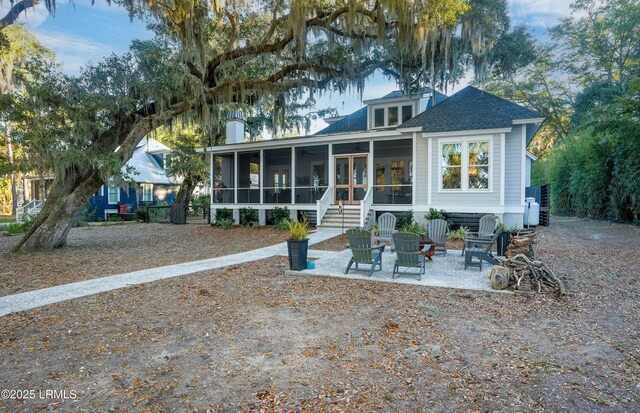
<point x="503" y="240"/>
<point x="298" y="244"/>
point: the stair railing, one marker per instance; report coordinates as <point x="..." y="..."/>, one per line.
<point x="26" y="208"/>
<point x="323" y="204"/>
<point x="365" y="206"/>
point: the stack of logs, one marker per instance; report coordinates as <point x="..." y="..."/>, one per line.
<point x="521" y="270"/>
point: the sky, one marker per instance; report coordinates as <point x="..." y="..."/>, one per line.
<point x="79" y="33"/>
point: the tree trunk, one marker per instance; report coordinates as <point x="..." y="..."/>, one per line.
<point x="69" y="193"/>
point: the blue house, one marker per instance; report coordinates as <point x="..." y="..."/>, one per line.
<point x="147" y="169"/>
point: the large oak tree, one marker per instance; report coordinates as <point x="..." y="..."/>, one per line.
<point x="210" y="57"/>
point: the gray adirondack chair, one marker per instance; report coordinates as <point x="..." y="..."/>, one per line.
<point x="408" y="253"/>
<point x="480" y="250"/>
<point x="386" y="228"/>
<point x="362" y="252"/>
<point x="486" y="228"/>
<point x="438" y="234"/>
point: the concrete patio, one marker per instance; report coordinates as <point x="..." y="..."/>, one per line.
<point x="443" y="271"/>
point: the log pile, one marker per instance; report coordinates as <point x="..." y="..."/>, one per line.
<point x="521" y="271"/>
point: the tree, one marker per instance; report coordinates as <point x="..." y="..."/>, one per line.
<point x="240" y="54"/>
<point x="20" y="55"/>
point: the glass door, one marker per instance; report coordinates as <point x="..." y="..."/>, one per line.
<point x="350" y="178"/>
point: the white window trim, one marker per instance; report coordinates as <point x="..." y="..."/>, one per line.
<point x="109" y="185"/>
<point x="144" y="191"/>
<point x="465" y="141"/>
<point x="386" y="114"/>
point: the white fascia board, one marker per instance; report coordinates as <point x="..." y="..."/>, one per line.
<point x="473" y="132"/>
<point x="532" y="156"/>
<point x="322" y="139"/>
<point x="409" y="130"/>
<point x="526" y="121"/>
<point x="404" y="98"/>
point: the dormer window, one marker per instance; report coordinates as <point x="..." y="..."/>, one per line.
<point x="390" y="116"/>
<point x="379" y="118"/>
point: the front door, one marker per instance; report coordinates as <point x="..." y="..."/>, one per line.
<point x="350" y="178"/>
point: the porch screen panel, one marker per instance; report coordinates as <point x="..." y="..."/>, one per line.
<point x="223" y="182"/>
<point x="249" y="177"/>
<point x="277" y="176"/>
<point x="312" y="173"/>
<point x="393" y="166"/>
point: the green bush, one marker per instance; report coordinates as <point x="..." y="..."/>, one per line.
<point x="141" y="214"/>
<point x="224" y="214"/>
<point x="20" y="227"/>
<point x="435" y="214"/>
<point x="87" y="214"/>
<point x="201" y="200"/>
<point x="249" y="217"/>
<point x="225" y="223"/>
<point x="279" y="214"/>
<point x="414" y="228"/>
<point x="405" y="219"/>
<point x="282" y="225"/>
<point x="458" y="234"/>
<point x="114" y="218"/>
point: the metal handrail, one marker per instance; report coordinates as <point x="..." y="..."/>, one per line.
<point x="29" y="206"/>
<point x="365" y="206"/>
<point x="323" y="204"/>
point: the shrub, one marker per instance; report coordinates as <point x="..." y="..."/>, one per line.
<point x="20" y="227"/>
<point x="435" y="214"/>
<point x="405" y="219"/>
<point x="282" y="225"/>
<point x="298" y="230"/>
<point x="141" y="214"/>
<point x="115" y="218"/>
<point x="414" y="228"/>
<point x="279" y="214"/>
<point x="201" y="200"/>
<point x="224" y="223"/>
<point x="458" y="234"/>
<point x="87" y="214"/>
<point x="223" y="213"/>
<point x="249" y="217"/>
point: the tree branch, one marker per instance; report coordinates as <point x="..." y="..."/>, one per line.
<point x="15" y="11"/>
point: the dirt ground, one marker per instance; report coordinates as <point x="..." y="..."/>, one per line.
<point x="249" y="338"/>
<point x="98" y="251"/>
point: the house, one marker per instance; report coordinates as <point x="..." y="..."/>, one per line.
<point x="146" y="168"/>
<point x="465" y="154"/>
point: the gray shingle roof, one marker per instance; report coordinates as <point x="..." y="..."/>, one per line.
<point x="470" y="109"/>
<point x="357" y="121"/>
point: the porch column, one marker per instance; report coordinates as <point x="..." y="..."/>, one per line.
<point x="414" y="169"/>
<point x="370" y="167"/>
<point x="261" y="178"/>
<point x="235" y="178"/>
<point x="332" y="173"/>
<point x="293" y="175"/>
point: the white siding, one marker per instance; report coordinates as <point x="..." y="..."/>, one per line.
<point x="513" y="165"/>
<point x="422" y="170"/>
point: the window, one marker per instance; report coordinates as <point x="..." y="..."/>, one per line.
<point x="223" y="179"/>
<point x="393" y="116"/>
<point x="407" y="113"/>
<point x="464" y="165"/>
<point x="114" y="193"/>
<point x="311" y="173"/>
<point x="452" y="166"/>
<point x="479" y="165"/>
<point x="147" y="192"/>
<point x="379" y="117"/>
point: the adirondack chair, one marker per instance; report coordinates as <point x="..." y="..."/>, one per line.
<point x="486" y="228"/>
<point x="362" y="252"/>
<point x="386" y="228"/>
<point x="438" y="234"/>
<point x="408" y="252"/>
<point x="480" y="249"/>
